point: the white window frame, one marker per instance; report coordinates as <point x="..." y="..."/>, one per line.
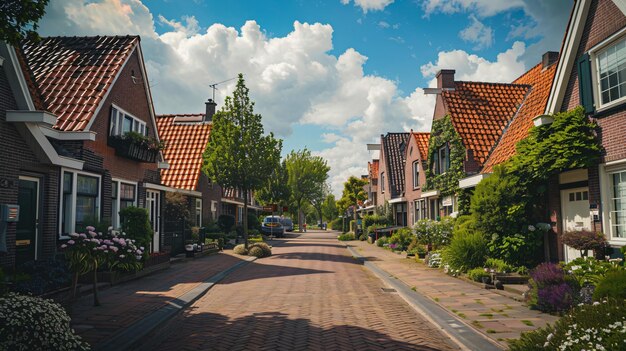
<point x="72" y="224"/>
<point x="416" y="174"/>
<point x="115" y="217"/>
<point x="196" y="216"/>
<point x="382" y="182"/>
<point x="606" y="172"/>
<point x="120" y="115"/>
<point x="595" y="72"/>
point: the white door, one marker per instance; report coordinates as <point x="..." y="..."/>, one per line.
<point x="576" y="215"/>
<point x="153" y="205"/>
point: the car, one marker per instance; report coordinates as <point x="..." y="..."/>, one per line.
<point x="272" y="226"/>
<point x="287" y="224"/>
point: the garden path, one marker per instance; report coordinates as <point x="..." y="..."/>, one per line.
<point x="497" y="316"/>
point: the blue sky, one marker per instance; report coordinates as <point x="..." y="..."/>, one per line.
<point x="330" y="75"/>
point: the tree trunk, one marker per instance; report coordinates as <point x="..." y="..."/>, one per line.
<point x="300" y="221"/>
<point x="96" y="300"/>
<point x="74" y="285"/>
<point x="245" y="218"/>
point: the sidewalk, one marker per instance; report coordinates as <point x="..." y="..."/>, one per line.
<point x="496" y="316"/>
<point x="125" y="304"/>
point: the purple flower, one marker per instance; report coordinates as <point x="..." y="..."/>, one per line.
<point x="93" y="234"/>
<point x="71" y="242"/>
<point x="90" y="228"/>
<point x="63" y="246"/>
<point x="74" y="235"/>
<point x="548" y="274"/>
<point x="555" y="297"/>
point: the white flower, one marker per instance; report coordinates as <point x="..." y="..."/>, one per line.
<point x="531" y="228"/>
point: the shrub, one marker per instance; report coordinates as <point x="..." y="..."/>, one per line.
<point x="253" y="222"/>
<point x="588" y="270"/>
<point x="44" y="276"/>
<point x="588" y="327"/>
<point x="346" y="237"/>
<point x="436" y="234"/>
<point x="256" y="252"/>
<point x="477" y="274"/>
<point x="584" y="240"/>
<point x="136" y="225"/>
<point x="499" y="265"/>
<point x="613" y="285"/>
<point x="336" y="224"/>
<point x="265" y="248"/>
<point x="363" y="237"/>
<point x="32" y="323"/>
<point x="466" y="251"/>
<point x="381" y="241"/>
<point x="379" y="221"/>
<point x="434" y="259"/>
<point x="226" y="223"/>
<point x="240" y="249"/>
<point x="551" y="291"/>
<point x="415" y="247"/>
<point x="401" y="238"/>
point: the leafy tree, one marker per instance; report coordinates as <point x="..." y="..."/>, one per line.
<point x="329" y="208"/>
<point x="276" y="190"/>
<point x="307" y="176"/>
<point x="239" y="154"/>
<point x="19" y="19"/>
<point x="354" y="192"/>
<point x="318" y="201"/>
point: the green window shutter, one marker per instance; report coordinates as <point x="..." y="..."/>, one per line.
<point x="585" y="86"/>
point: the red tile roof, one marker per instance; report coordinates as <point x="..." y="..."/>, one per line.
<point x="422" y="139"/>
<point x="373" y="168"/>
<point x="541" y="81"/>
<point x="186" y="138"/>
<point x="71" y="75"/>
<point x="480" y="111"/>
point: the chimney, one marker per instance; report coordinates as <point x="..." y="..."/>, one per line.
<point x="445" y="79"/>
<point x="549" y="58"/>
<point x="210" y="110"/>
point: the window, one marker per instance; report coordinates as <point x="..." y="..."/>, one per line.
<point x="198" y="212"/>
<point x="382" y="182"/>
<point x="416" y="174"/>
<point x="123" y="195"/>
<point x="443" y="159"/>
<point x="618" y="202"/>
<point x="611" y="72"/>
<point x="80" y="202"/>
<point x="122" y="123"/>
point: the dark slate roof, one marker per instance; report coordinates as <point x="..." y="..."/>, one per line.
<point x="71" y="75"/>
<point x="394" y="146"/>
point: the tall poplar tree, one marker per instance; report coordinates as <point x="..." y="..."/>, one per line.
<point x="239" y="153"/>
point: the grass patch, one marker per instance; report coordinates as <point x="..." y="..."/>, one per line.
<point x="436" y="299"/>
<point x="477" y="324"/>
<point x="454" y="311"/>
<point x="414" y="288"/>
<point x="488" y="315"/>
<point x="505" y="315"/>
<point x="479" y="302"/>
<point x="528" y="323"/>
<point x="497" y="310"/>
<point x="462" y="315"/>
<point x="491" y="331"/>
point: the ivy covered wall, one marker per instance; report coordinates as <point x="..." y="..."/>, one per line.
<point x="442" y="134"/>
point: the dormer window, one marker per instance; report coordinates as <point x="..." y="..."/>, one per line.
<point x="122" y="122"/>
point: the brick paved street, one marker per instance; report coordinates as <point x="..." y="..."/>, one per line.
<point x="125" y="304"/>
<point x="309" y="295"/>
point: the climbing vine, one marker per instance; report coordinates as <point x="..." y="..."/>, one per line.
<point x="443" y="133"/>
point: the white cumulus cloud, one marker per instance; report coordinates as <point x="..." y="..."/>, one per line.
<point x="370" y="5"/>
<point x="478" y="33"/>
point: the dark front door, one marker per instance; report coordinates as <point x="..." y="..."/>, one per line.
<point x="26" y="240"/>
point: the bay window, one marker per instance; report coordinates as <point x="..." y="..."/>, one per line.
<point x="80" y="201"/>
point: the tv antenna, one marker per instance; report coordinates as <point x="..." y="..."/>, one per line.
<point x="214" y="85"/>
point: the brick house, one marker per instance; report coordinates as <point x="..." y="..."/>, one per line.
<point x="391" y="175"/>
<point x="415" y="177"/>
<point x="477" y="113"/>
<point x="369" y="206"/>
<point x="590" y="73"/>
<point x="88" y="93"/>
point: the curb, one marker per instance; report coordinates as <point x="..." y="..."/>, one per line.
<point x="464" y="336"/>
<point x="133" y="336"/>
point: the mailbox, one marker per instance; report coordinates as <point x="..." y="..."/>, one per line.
<point x="9" y="213"/>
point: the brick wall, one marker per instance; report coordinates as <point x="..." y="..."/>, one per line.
<point x="16" y="158"/>
<point x="411" y="194"/>
<point x="381" y="196"/>
<point x="210" y="192"/>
